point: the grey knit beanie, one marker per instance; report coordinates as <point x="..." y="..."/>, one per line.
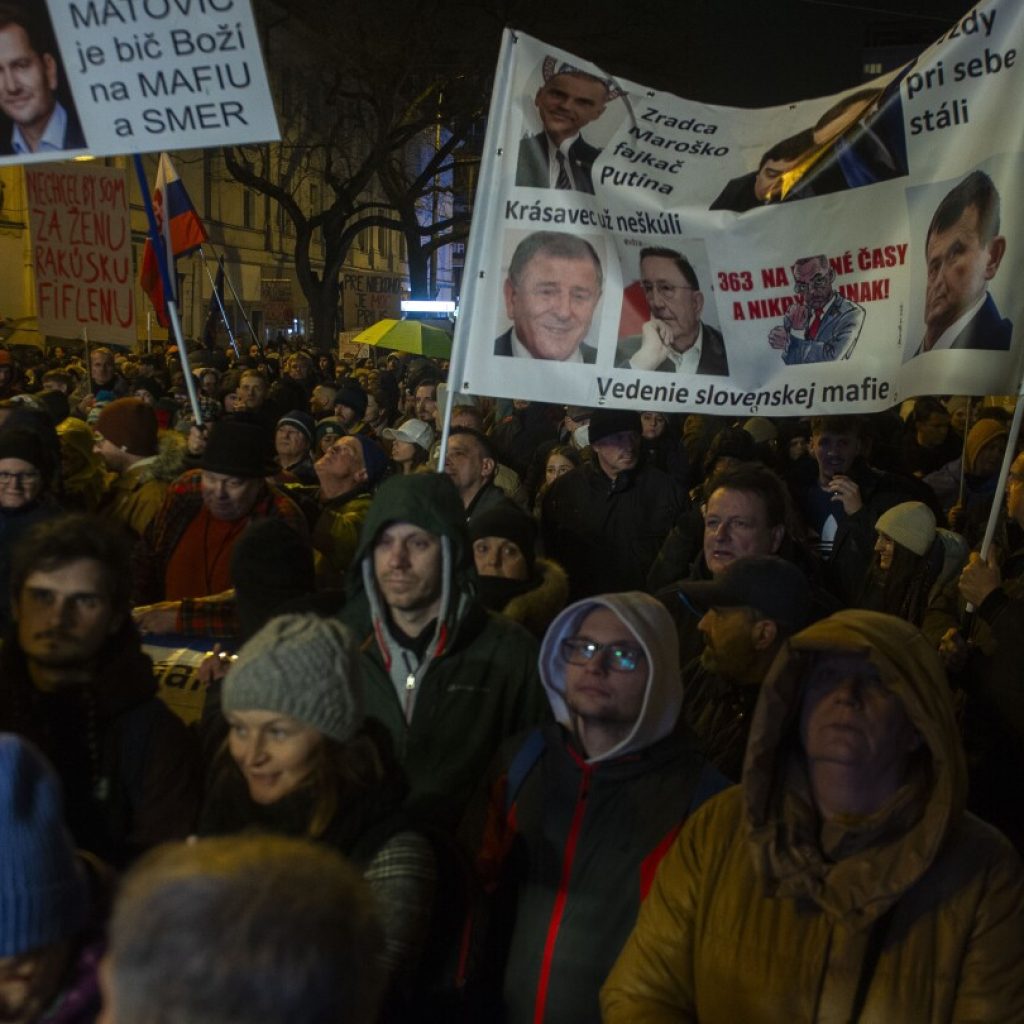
<point x="304" y="666"/>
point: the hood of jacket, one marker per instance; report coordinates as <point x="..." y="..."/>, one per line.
<point x="652" y="626"/>
<point x="869" y="862"/>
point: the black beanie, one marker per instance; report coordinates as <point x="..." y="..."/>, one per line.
<point x="607" y="422"/>
<point x="508" y="520"/>
<point x="16" y="443"/>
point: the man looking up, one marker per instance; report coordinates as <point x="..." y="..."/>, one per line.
<point x="448" y="679"/>
<point x="559" y="157"/>
<point x="674" y="340"/>
<point x="28" y="89"/>
<point x="552" y="290"/>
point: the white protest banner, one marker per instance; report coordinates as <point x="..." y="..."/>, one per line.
<point x="840" y="254"/>
<point x="133" y="76"/>
<point x="82" y="251"/>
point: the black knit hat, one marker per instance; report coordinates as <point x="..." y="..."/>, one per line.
<point x="239" y="448"/>
<point x="352" y="396"/>
<point x="606" y="422"/>
<point x="16" y="443"/>
<point x="509" y="521"/>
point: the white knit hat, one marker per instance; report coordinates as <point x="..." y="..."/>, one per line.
<point x="911" y="524"/>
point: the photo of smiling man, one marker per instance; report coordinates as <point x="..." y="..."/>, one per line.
<point x="37" y="116"/>
<point x="551" y="293"/>
<point x="559" y="157"/>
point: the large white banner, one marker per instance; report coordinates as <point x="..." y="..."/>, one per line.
<point x="631" y="248"/>
<point x="129" y="76"/>
<point x="82" y="251"/>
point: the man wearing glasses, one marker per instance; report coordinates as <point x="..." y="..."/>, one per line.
<point x="675" y="339"/>
<point x="579" y="811"/>
<point x="821" y="325"/>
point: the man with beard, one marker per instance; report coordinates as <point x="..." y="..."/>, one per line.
<point x="77" y="684"/>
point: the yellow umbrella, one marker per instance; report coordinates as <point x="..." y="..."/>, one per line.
<point x="412" y="336"/>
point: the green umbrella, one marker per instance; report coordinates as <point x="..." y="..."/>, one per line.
<point x="407" y="336"/>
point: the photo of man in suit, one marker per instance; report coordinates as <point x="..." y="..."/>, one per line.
<point x="768" y="183"/>
<point x="36" y="119"/>
<point x="552" y="290"/>
<point x="559" y="156"/>
<point x="821" y="325"/>
<point x="963" y="251"/>
<point x="675" y="339"/>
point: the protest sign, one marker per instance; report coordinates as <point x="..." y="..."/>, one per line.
<point x="839" y="254"/>
<point x="133" y="76"/>
<point x="81" y="251"/>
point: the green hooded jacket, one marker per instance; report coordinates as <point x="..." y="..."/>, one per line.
<point x="477" y="682"/>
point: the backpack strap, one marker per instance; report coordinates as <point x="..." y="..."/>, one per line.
<point x="522" y="764"/>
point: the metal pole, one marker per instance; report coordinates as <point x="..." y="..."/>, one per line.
<point x="156" y="238"/>
<point x="241" y="308"/>
<point x="220" y="304"/>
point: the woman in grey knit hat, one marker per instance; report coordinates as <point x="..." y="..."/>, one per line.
<point x="301" y="759"/>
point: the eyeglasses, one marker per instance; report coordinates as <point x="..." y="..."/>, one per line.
<point x="817" y="282"/>
<point x="621" y="657"/>
<point x="666" y="291"/>
<point x="28" y="477"/>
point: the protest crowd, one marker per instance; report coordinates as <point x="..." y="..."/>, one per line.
<point x="612" y="715"/>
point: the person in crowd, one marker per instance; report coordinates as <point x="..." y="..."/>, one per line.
<point x="448" y="679"/>
<point x="51" y="898"/>
<point x="350" y="402"/>
<point x="595" y="796"/>
<point x="512" y="579"/>
<point x="913" y="559"/>
<point x="842" y="879"/>
<point x="349" y="471"/>
<point x="982" y="655"/>
<point x="77" y="683"/>
<point x="928" y="443"/>
<point x="842" y="504"/>
<point x="662" y="445"/>
<point x="254" y="399"/>
<point x="528" y="427"/>
<point x="26" y="498"/>
<point x="424" y="401"/>
<point x="103" y="375"/>
<point x="470" y="464"/>
<point x="187" y="550"/>
<point x="328" y="430"/>
<point x="83" y="472"/>
<point x="747" y="613"/>
<point x="321" y="401"/>
<point x="559" y="460"/>
<point x="301" y="759"/>
<point x="293" y="443"/>
<point x="606" y="522"/>
<point x="180" y="948"/>
<point x="410" y="445"/>
<point x="143" y="462"/>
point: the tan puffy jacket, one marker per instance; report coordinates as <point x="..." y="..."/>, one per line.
<point x="749" y="922"/>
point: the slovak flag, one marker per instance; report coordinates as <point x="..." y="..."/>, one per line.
<point x="181" y="229"/>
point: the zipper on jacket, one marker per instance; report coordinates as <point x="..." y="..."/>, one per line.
<point x="410" y="687"/>
<point x="561" y="895"/>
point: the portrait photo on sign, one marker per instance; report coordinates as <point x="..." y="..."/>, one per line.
<point x="857" y="140"/>
<point x="568" y="115"/>
<point x="551" y="295"/>
<point x="38" y="117"/>
<point x="961" y="265"/>
<point x="668" y="321"/>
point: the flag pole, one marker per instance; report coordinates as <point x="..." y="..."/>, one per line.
<point x="165" y="276"/>
<point x="217" y="299"/>
<point x="238" y="303"/>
